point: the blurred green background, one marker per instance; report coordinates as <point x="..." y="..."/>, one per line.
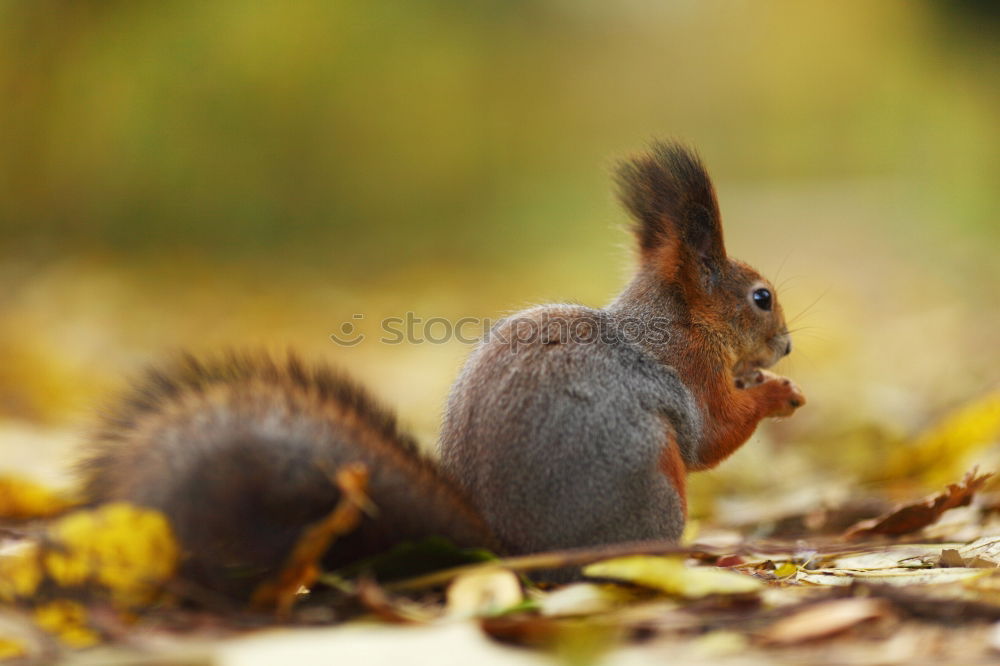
<point x="193" y="174"/>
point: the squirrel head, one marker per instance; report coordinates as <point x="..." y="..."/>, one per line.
<point x="670" y="196"/>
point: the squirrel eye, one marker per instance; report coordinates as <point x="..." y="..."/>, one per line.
<point x="762" y="298"/>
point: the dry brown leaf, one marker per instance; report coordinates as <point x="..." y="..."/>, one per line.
<point x="825" y="619"/>
<point x="899" y="577"/>
<point x="912" y="517"/>
<point x="950" y="558"/>
<point x="302" y="568"/>
<point x="528" y="630"/>
<point x="576" y="640"/>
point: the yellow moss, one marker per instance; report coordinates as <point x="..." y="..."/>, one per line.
<point x="66" y="620"/>
<point x="21" y="499"/>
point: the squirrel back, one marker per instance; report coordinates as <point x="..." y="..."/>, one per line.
<point x="577" y="426"/>
<point x="558" y="426"/>
<point x="239" y="453"/>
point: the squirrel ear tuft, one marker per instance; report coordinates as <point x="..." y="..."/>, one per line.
<point x="670" y="196"/>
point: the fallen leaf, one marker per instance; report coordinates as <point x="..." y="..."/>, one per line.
<point x="584" y="599"/>
<point x="980" y="554"/>
<point x="555" y="559"/>
<point x="574" y="640"/>
<point x="483" y="593"/>
<point x="302" y="567"/>
<point x="951" y="558"/>
<point x="527" y="630"/>
<point x="21" y="572"/>
<point x="896" y="577"/>
<point x="915" y="555"/>
<point x="729" y="561"/>
<point x="128" y="551"/>
<point x="11" y="649"/>
<point x="785" y="570"/>
<point x="67" y="620"/>
<point x="670" y="575"/>
<point x="935" y="454"/>
<point x="825" y="619"/>
<point x="912" y="517"/>
<point x="21" y="499"/>
<point x="985" y="550"/>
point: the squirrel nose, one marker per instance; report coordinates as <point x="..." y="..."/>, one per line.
<point x="788" y="348"/>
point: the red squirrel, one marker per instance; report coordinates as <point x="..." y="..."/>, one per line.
<point x="568" y="426"/>
<point x="572" y="426"/>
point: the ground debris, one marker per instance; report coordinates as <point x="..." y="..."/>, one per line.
<point x="913" y="517"/>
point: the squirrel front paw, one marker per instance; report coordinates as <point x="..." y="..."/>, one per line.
<point x="778" y="395"/>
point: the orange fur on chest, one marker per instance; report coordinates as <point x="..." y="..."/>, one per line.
<point x="672" y="465"/>
<point x="731" y="423"/>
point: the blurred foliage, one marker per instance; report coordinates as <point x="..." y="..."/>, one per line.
<point x="407" y="132"/>
<point x="203" y="174"/>
<point x="21" y="499"/>
<point x="117" y="551"/>
<point x="943" y="449"/>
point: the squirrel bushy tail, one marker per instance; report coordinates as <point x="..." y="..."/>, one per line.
<point x="239" y="453"/>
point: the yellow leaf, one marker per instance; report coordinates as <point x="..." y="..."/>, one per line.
<point x="785" y="570"/>
<point x="690" y="534"/>
<point x="941" y="452"/>
<point x="21" y="499"/>
<point x="11" y="649"/>
<point x="68" y="621"/>
<point x="20" y="572"/>
<point x="126" y="550"/>
<point x="670" y="575"/>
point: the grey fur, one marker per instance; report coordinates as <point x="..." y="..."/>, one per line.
<point x="558" y="440"/>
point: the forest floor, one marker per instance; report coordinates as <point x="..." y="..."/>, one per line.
<point x="862" y="583"/>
